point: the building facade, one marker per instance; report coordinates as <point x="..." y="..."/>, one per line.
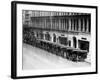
<point x="72" y="30"/>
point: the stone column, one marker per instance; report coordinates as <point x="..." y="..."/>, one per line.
<point x="79" y="25"/>
<point x="87" y="26"/>
<point x="69" y="21"/>
<point x="83" y="25"/>
<point x="59" y="24"/>
<point x="72" y="25"/>
<point x="66" y="22"/>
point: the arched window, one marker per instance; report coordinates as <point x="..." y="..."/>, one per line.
<point x="74" y="42"/>
<point x="54" y="37"/>
<point x="69" y="43"/>
<point x="47" y="36"/>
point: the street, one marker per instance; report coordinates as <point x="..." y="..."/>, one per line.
<point x="35" y="58"/>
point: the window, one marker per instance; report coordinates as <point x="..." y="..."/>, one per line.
<point x="54" y="38"/>
<point x="74" y="42"/>
<point x="47" y="36"/>
<point x="83" y="45"/>
<point x="63" y="40"/>
<point x="69" y="43"/>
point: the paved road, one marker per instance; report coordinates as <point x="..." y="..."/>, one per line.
<point x="35" y="58"/>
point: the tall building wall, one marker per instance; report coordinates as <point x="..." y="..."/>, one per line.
<point x="67" y="21"/>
